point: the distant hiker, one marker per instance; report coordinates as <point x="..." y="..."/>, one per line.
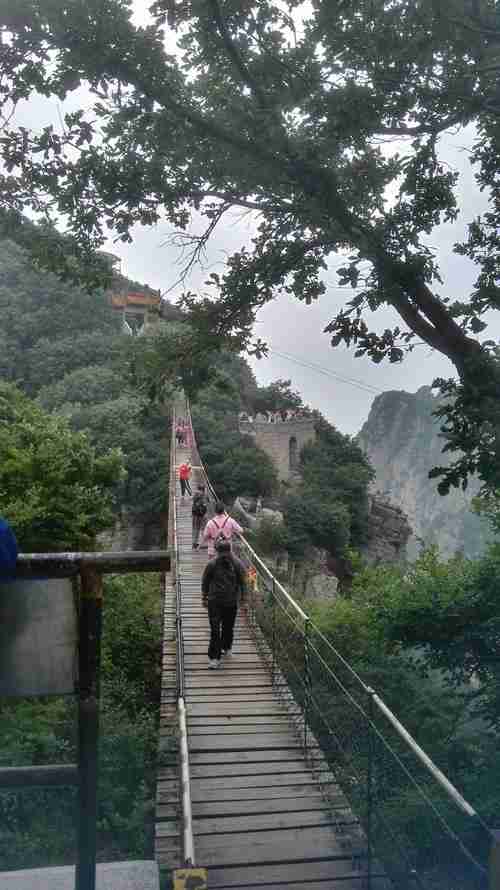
<point x="198" y="512"/>
<point x="223" y="587"/>
<point x="8" y="551"/>
<point x="184" y="474"/>
<point x="221" y="526"/>
<point x="179" y="434"/>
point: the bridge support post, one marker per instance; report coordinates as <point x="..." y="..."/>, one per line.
<point x="88" y="724"/>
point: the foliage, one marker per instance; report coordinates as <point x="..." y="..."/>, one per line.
<point x="90" y="385"/>
<point x="236" y="465"/>
<point x="38" y="826"/>
<point x="54" y="489"/>
<point x="489" y="508"/>
<point x="315" y="523"/>
<point x="429" y="634"/>
<point x="270" y="536"/>
<point x="278" y="396"/>
<point x="90" y="376"/>
<point x="444" y="614"/>
<point x="38" y="309"/>
<point x="328" y="508"/>
<point x="281" y="109"/>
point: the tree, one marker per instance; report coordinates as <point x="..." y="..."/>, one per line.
<point x="84" y="386"/>
<point x="54" y="489"/>
<point x="278" y="396"/>
<point x="280" y="108"/>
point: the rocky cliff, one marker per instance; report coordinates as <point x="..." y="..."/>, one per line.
<point x="403" y="442"/>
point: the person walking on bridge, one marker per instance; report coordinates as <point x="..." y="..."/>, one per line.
<point x="221" y="526"/>
<point x="198" y="512"/>
<point x="184" y="474"/>
<point x="223" y="588"/>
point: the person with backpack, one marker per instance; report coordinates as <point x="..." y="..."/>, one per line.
<point x="198" y="512"/>
<point x="221" y="526"/>
<point x="184" y="474"/>
<point x="223" y="588"/>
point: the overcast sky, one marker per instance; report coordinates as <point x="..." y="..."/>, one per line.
<point x="287" y="325"/>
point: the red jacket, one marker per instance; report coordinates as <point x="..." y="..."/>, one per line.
<point x="184" y="471"/>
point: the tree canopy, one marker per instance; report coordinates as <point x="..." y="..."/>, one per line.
<point x="280" y="108"/>
<point x="54" y="489"/>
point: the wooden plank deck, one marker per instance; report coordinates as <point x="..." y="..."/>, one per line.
<point x="261" y="818"/>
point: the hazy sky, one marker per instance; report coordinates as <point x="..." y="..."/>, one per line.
<point x="290" y="326"/>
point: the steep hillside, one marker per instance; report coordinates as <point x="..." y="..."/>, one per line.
<point x="403" y="442"/>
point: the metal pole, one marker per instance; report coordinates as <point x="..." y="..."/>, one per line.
<point x="307" y="679"/>
<point x="188" y="840"/>
<point x="88" y="724"/>
<point x="369" y="790"/>
<point x="273" y="630"/>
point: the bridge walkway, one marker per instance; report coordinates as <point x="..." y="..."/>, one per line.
<point x="260" y="819"/>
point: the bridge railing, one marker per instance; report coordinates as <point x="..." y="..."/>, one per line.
<point x="408" y="827"/>
<point x="188" y="850"/>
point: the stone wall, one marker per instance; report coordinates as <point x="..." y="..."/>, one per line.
<point x="275" y="439"/>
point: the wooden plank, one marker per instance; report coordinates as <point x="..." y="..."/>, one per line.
<point x="252" y="847"/>
<point x="352" y="881"/>
<point x="206" y="710"/>
<point x="246" y="741"/>
<point x="257" y="795"/>
<point x="202" y="757"/>
<point x="201" y="785"/>
<point x="272" y="822"/>
<point x="306" y="803"/>
<point x="261" y="875"/>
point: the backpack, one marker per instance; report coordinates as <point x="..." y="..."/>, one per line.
<point x="199" y="507"/>
<point x="219" y="536"/>
<point x="224" y="584"/>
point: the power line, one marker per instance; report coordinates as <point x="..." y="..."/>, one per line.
<point x="328" y="372"/>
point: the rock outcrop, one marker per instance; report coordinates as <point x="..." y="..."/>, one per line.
<point x="388" y="532"/>
<point x="403" y="441"/>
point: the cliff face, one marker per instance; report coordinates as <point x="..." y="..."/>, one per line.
<point x="403" y="442"/>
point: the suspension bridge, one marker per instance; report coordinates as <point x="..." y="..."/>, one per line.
<point x="281" y="769"/>
<point x="287" y="771"/>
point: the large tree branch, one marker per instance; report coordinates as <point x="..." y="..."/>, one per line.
<point x="235" y="55"/>
<point x="425" y="129"/>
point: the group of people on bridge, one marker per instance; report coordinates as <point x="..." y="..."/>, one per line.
<point x="284" y="416"/>
<point x="183" y="432"/>
<point x="223" y="584"/>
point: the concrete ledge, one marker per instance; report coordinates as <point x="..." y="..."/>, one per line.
<point x="110" y="876"/>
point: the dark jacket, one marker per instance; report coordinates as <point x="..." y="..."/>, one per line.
<point x="224" y="580"/>
<point x="8" y="551"/>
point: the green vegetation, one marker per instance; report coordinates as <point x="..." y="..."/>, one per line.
<point x="80" y="441"/>
<point x="429" y="634"/>
<point x="325" y="507"/>
<point x="237" y="465"/>
<point x="54" y="489"/>
<point x="281" y="108"/>
<point x="37" y="827"/>
<point x="64" y="347"/>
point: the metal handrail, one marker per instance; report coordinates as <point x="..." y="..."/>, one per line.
<point x="451" y="791"/>
<point x="187" y="814"/>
